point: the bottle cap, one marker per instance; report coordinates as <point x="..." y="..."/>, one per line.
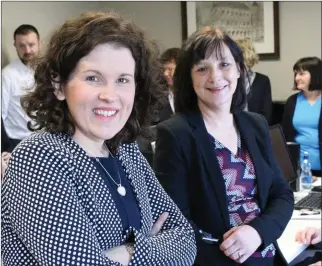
<point x="306" y="155"/>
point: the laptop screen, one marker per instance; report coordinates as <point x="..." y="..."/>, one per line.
<point x="282" y="154"/>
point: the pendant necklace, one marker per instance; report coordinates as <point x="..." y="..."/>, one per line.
<point x="120" y="189"/>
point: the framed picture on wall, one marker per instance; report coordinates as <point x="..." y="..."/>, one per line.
<point x="258" y="21"/>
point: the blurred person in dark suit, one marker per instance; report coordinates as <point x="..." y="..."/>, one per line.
<point x="258" y="86"/>
<point x="169" y="61"/>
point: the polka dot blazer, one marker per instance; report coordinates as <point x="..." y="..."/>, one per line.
<point x="56" y="209"/>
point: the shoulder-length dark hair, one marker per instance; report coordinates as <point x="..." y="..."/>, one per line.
<point x="314" y="66"/>
<point x="72" y="41"/>
<point x="200" y="46"/>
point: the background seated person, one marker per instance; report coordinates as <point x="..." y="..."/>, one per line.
<point x="302" y="119"/>
<point x="168" y="61"/>
<point x="165" y="108"/>
<point x="16" y="78"/>
<point x="257" y="85"/>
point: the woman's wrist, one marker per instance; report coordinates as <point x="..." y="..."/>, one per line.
<point x="130" y="249"/>
<point x="121" y="254"/>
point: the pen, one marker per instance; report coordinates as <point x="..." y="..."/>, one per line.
<point x="210" y="240"/>
<point x="207" y="238"/>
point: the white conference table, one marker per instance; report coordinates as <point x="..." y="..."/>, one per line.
<point x="289" y="247"/>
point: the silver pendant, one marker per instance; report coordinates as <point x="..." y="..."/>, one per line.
<point x="121" y="190"/>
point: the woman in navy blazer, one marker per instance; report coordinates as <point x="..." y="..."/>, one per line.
<point x="216" y="161"/>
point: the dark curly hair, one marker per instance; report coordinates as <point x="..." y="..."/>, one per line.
<point x="72" y="41"/>
<point x="314" y="66"/>
<point x="198" y="46"/>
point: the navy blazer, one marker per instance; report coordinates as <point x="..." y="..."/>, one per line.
<point x="186" y="165"/>
<point x="57" y="210"/>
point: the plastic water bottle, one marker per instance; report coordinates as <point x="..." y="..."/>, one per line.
<point x="306" y="173"/>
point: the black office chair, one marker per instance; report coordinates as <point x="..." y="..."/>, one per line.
<point x="282" y="153"/>
<point x="277" y="112"/>
<point x="294" y="150"/>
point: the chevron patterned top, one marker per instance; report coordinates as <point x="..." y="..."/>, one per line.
<point x="241" y="189"/>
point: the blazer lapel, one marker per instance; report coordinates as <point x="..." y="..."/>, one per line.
<point x="135" y="176"/>
<point x="87" y="175"/>
<point x="248" y="137"/>
<point x="210" y="161"/>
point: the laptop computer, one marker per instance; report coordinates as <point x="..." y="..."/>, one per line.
<point x="283" y="157"/>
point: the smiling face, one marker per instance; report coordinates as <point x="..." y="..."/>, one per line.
<point x="302" y="79"/>
<point x="215" y="80"/>
<point x="100" y="93"/>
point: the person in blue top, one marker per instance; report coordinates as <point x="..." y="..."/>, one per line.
<point x="302" y="119"/>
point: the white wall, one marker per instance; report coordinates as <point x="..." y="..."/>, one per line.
<point x="300" y="29"/>
<point x="300" y="36"/>
<point x="45" y="16"/>
<point x="161" y="20"/>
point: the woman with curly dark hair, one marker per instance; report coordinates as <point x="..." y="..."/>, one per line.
<point x="78" y="191"/>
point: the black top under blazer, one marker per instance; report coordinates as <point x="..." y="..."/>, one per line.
<point x="287" y="123"/>
<point x="260" y="97"/>
<point x="186" y="165"/>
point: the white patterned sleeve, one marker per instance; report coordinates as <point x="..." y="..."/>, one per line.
<point x="42" y="220"/>
<point x="175" y="244"/>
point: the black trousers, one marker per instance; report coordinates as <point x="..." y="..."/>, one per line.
<point x="14" y="142"/>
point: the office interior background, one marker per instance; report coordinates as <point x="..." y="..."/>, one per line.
<point x="300" y="30"/>
<point x="299" y="26"/>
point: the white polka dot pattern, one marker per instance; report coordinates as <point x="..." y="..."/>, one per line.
<point x="56" y="209"/>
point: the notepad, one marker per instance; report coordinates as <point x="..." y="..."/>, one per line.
<point x="287" y="244"/>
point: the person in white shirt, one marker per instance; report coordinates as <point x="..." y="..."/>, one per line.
<point x="17" y="78"/>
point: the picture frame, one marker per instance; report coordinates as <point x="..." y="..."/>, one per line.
<point x="263" y="30"/>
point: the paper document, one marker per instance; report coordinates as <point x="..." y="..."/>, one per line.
<point x="287" y="244"/>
